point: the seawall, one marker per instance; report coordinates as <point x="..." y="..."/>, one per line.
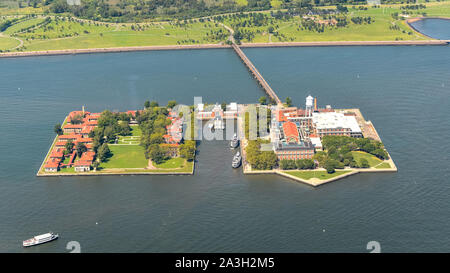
<point x="214" y="46"/>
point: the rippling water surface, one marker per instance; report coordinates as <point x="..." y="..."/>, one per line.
<point x="403" y="90"/>
<point x="435" y="28"/>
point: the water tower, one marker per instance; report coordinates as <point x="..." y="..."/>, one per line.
<point x="309" y="105"/>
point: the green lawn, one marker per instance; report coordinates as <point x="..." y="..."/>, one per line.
<point x="173" y="163"/>
<point x="126" y="156"/>
<point x="23" y="25"/>
<point x="383" y="165"/>
<point x="74" y="35"/>
<point x="67" y="170"/>
<point x="322" y="175"/>
<point x="135" y="130"/>
<point x="241" y="2"/>
<point x="8" y="43"/>
<point x="66" y="159"/>
<point x="373" y="160"/>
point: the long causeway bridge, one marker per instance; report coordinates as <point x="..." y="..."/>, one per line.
<point x="256" y="74"/>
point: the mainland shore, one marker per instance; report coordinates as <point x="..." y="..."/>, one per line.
<point x="215" y="46"/>
<point x="412" y="20"/>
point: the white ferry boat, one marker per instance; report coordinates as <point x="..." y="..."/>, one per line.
<point x="40" y="239"/>
<point x="236" y="160"/>
<point x="234" y="141"/>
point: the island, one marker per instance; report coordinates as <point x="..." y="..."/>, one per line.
<point x="147" y="141"/>
<point x="312" y="145"/>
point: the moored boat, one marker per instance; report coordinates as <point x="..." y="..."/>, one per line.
<point x="234" y="141"/>
<point x="236" y="160"/>
<point x="40" y="239"/>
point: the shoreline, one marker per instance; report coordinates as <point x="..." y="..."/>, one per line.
<point x="112" y="173"/>
<point x="219" y="46"/>
<point x="317" y="182"/>
<point x="416" y="19"/>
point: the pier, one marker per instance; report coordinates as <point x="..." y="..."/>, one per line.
<point x="256" y="74"/>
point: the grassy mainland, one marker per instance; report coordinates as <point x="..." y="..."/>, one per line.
<point x="42" y="27"/>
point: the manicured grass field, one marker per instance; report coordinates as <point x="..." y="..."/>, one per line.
<point x="383" y="165"/>
<point x="126" y="156"/>
<point x="241" y="2"/>
<point x="23" y="25"/>
<point x="75" y="35"/>
<point x="67" y="170"/>
<point x="373" y="160"/>
<point x="8" y="43"/>
<point x="188" y="167"/>
<point x="135" y="130"/>
<point x="322" y="175"/>
<point x="173" y="163"/>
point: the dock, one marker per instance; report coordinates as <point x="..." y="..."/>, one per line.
<point x="256" y="74"/>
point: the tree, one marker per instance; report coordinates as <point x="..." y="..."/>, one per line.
<point x="147" y="104"/>
<point x="69" y="146"/>
<point x="154" y="104"/>
<point x="103" y="152"/>
<point x="266" y="160"/>
<point x="263" y="100"/>
<point x="58" y="129"/>
<point x="329" y="166"/>
<point x="380" y="153"/>
<point x="287" y="164"/>
<point x="363" y="163"/>
<point x="224" y="106"/>
<point x="95" y="165"/>
<point x="307" y="163"/>
<point x="288" y="102"/>
<point x="76" y="119"/>
<point x="109" y="134"/>
<point x="81" y="148"/>
<point x="156" y="153"/>
<point x="187" y="150"/>
<point x="124" y="129"/>
<point x="171" y="104"/>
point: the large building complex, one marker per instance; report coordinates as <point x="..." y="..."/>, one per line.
<point x="296" y="133"/>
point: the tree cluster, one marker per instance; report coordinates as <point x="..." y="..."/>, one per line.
<point x="301" y="164"/>
<point x="260" y="160"/>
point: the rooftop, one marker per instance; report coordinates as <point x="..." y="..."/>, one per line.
<point x="333" y="120"/>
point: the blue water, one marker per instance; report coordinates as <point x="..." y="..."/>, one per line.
<point x="403" y="90"/>
<point x="435" y="28"/>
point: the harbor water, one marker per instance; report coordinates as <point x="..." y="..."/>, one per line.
<point x="403" y="90"/>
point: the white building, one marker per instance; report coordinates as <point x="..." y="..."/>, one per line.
<point x="333" y="123"/>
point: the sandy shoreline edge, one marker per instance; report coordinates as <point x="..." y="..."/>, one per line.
<point x="215" y="46"/>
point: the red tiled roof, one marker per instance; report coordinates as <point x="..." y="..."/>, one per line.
<point x="87" y="129"/>
<point x="290" y="131"/>
<point x="52" y="163"/>
<point x="170" y="144"/>
<point x="131" y="112"/>
<point x="71" y="136"/>
<point x="87" y="156"/>
<point x="73" y="126"/>
<point x="281" y="116"/>
<point x="58" y="153"/>
<point x="81" y="163"/>
<point x="60" y="143"/>
<point x="91" y="123"/>
<point x="84" y="140"/>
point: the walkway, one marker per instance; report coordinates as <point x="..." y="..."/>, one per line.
<point x="256" y="73"/>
